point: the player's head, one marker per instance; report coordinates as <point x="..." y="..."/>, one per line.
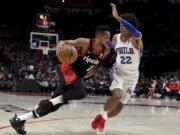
<point x="131" y="18"/>
<point x="102" y="34"/>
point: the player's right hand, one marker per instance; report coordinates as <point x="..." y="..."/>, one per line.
<point x="114" y="11"/>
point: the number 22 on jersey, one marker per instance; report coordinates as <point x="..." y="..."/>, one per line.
<point x="126" y="60"/>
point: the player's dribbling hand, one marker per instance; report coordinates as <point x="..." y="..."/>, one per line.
<point x="114" y="12"/>
<point x="90" y="73"/>
<point x="59" y="46"/>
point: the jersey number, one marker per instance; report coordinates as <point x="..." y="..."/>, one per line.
<point x="126" y="60"/>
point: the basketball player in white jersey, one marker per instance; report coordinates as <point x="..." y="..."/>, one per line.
<point x="127" y="45"/>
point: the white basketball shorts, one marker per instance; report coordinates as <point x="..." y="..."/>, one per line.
<point x="124" y="81"/>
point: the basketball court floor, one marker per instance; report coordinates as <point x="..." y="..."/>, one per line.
<point x="139" y="117"/>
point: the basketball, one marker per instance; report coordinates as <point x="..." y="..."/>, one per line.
<point x="67" y="54"/>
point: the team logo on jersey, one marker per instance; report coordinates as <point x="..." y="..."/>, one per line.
<point x="124" y="50"/>
<point x="89" y="60"/>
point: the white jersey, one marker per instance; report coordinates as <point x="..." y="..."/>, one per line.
<point x="128" y="57"/>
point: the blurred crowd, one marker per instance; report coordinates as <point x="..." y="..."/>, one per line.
<point x="167" y="85"/>
<point x="159" y="69"/>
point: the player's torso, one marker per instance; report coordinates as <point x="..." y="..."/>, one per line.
<point x="86" y="62"/>
<point x="128" y="57"/>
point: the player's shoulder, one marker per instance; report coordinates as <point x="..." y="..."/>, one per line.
<point x="114" y="38"/>
<point x="115" y="35"/>
<point x="82" y="41"/>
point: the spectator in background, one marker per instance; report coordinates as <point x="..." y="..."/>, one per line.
<point x="152" y="88"/>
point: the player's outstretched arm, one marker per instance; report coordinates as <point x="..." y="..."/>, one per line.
<point x="115" y="12"/>
<point x="134" y="32"/>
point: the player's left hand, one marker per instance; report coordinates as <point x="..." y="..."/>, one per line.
<point x="90" y="73"/>
<point x="59" y="46"/>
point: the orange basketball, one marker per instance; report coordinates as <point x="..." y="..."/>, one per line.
<point x="67" y="54"/>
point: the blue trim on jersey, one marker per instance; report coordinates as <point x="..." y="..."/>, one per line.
<point x="110" y="45"/>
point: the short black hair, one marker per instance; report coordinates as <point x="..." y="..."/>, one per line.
<point x="101" y="29"/>
<point x="130" y="17"/>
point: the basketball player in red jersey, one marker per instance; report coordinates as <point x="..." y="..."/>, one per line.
<point x="91" y="52"/>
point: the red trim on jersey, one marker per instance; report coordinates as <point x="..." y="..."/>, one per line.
<point x="94" y="50"/>
<point x="104" y="52"/>
<point x="79" y="55"/>
<point x="86" y="48"/>
<point x="68" y="73"/>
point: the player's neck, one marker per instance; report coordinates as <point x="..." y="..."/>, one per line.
<point x="97" y="45"/>
<point x="124" y="38"/>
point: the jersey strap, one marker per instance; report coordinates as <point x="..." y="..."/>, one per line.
<point x="89" y="47"/>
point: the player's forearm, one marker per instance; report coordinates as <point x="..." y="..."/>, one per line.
<point x="90" y="73"/>
<point x="72" y="42"/>
<point x="118" y="18"/>
<point x="134" y="32"/>
<point x="139" y="44"/>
